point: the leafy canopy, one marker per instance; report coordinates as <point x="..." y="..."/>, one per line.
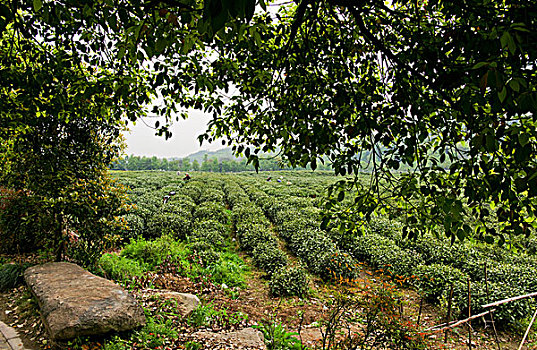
<point x="414" y="84"/>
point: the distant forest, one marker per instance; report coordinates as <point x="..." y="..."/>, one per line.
<point x="210" y="164"/>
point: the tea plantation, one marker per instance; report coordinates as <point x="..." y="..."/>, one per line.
<point x="210" y="209"/>
<point x="251" y="247"/>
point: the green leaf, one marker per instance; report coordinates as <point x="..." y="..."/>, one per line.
<point x="480" y="64"/>
<point x="161" y="44"/>
<point x="491" y="144"/>
<point x="523" y="139"/>
<point x="341" y="196"/>
<point x="507" y="40"/>
<point x="38" y="4"/>
<point x="502" y="94"/>
<point x="514" y="85"/>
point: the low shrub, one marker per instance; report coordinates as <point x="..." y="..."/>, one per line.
<point x="212" y="195"/>
<point x="229" y="271"/>
<point x="433" y="280"/>
<point x="396" y="261"/>
<point x="269" y="257"/>
<point x="176" y="225"/>
<point x="211" y="211"/>
<point x="134" y="226"/>
<point x="509" y="314"/>
<point x="251" y="235"/>
<point x="292" y="281"/>
<point x="202" y="255"/>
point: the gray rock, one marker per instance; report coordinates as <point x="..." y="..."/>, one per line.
<point x="186" y="302"/>
<point x="247" y="338"/>
<point x="74" y="302"/>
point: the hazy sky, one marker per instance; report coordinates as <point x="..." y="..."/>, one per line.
<point x="142" y="141"/>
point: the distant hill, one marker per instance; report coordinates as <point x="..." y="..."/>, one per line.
<point x="221" y="154"/>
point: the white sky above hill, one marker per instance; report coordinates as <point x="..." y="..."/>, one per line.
<point x="142" y="141"/>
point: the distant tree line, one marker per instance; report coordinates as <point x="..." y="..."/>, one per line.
<point x="208" y="164"/>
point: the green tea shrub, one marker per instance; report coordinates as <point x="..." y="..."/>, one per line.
<point x="291" y="281"/>
<point x="521" y="276"/>
<point x="212" y="195"/>
<point x="230" y="270"/>
<point x="211" y="211"/>
<point x="385" y="227"/>
<point x="249" y="213"/>
<point x="365" y="246"/>
<point x="340" y="267"/>
<point x="509" y="314"/>
<point x="203" y="254"/>
<point x="396" y="261"/>
<point x="433" y="280"/>
<point x="269" y="257"/>
<point x="191" y="191"/>
<point x="250" y="235"/>
<point x="213" y="236"/>
<point x="210" y="225"/>
<point x="176" y="208"/>
<point x="183" y="201"/>
<point x="176" y="225"/>
<point x="288" y="228"/>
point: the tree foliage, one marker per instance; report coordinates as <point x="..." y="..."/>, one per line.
<point x="410" y="83"/>
<point x="414" y="84"/>
<point x="57" y="137"/>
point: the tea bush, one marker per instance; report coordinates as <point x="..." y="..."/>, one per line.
<point x="433" y="280"/>
<point x="250" y="235"/>
<point x="212" y="195"/>
<point x="289" y="282"/>
<point x="268" y="257"/>
<point x="162" y="224"/>
<point x="507" y="314"/>
<point x="211" y="211"/>
<point x="134" y="226"/>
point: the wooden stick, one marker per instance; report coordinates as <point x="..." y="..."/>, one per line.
<point x="449" y="312"/>
<point x="528" y="330"/>
<point x="453" y="324"/>
<point x="496" y="303"/>
<point x="491" y="314"/>
<point x="469" y="316"/>
<point x="419" y="312"/>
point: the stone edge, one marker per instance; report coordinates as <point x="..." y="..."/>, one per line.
<point x="11" y="336"/>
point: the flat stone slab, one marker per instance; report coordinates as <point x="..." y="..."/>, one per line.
<point x="74" y="302"/>
<point x="247" y="338"/>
